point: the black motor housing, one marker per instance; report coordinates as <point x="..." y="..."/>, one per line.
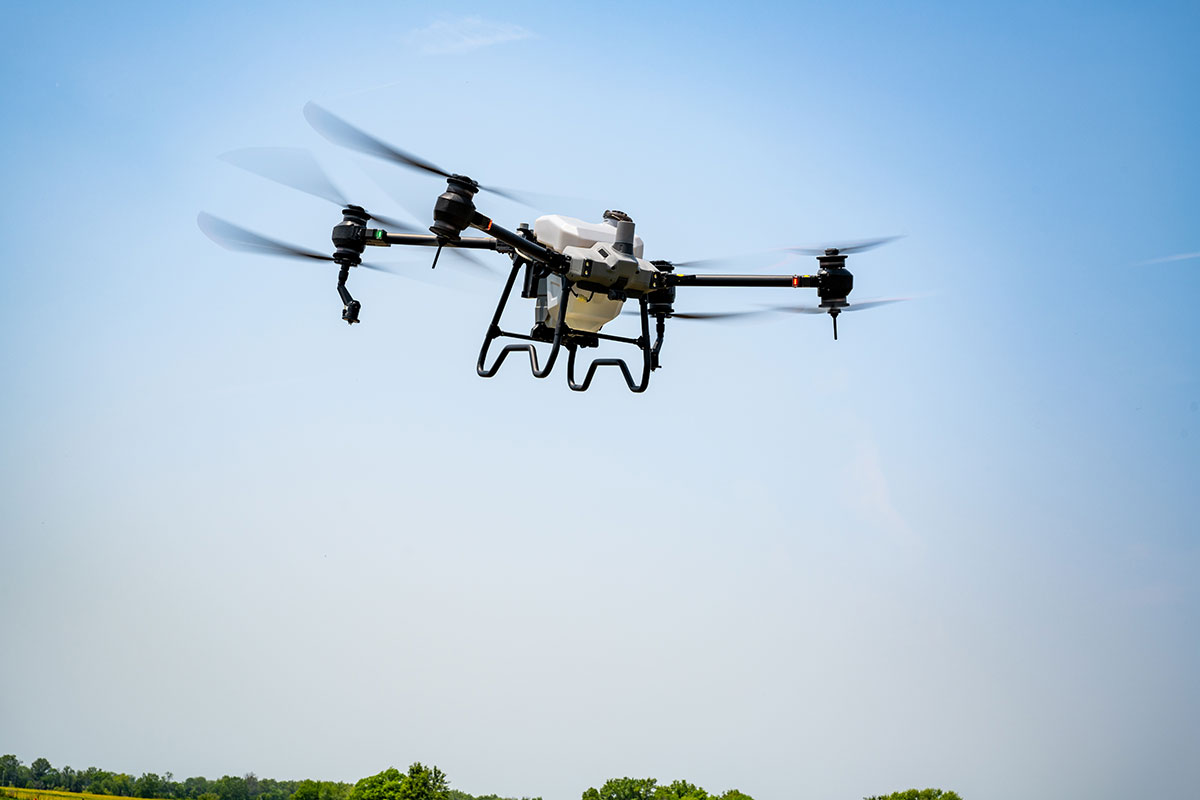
<point x="349" y="236"/>
<point x="455" y="208"/>
<point x="834" y="281"/>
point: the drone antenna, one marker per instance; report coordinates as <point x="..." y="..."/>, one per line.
<point x="833" y="312"/>
<point x="437" y="255"/>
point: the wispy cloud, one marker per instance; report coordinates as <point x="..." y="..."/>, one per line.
<point x="873" y="494"/>
<point x="464" y="34"/>
<point x="1167" y="259"/>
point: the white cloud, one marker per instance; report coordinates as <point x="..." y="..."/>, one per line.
<point x="1167" y="259"/>
<point x="463" y="35"/>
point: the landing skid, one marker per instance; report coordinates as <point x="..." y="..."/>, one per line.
<point x="573" y="340"/>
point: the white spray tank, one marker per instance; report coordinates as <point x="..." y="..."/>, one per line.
<point x="586" y="310"/>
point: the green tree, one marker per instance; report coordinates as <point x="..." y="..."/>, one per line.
<point x="382" y="786"/>
<point x="93" y="780"/>
<point x="648" y="789"/>
<point x="624" y="789"/>
<point x="420" y="783"/>
<point x="307" y="790"/>
<point x="425" y="783"/>
<point x="120" y="784"/>
<point x="680" y="790"/>
<point x="228" y="787"/>
<point x="84" y="778"/>
<point x="317" y="790"/>
<point x="271" y="789"/>
<point x="194" y="787"/>
<point x="149" y="785"/>
<point x="917" y="794"/>
<point x="10" y="770"/>
<point x="38" y="771"/>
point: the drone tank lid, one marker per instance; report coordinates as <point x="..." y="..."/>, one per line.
<point x="557" y="231"/>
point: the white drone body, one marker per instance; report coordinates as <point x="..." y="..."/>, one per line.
<point x="603" y="253"/>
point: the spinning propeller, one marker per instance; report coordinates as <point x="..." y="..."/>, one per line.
<point x="844" y="248"/>
<point x="338" y="131"/>
<point x="296" y="168"/>
<point x="707" y="316"/>
<point x="233" y="237"/>
<point x="766" y="259"/>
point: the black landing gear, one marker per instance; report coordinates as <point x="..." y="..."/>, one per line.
<point x="561" y="335"/>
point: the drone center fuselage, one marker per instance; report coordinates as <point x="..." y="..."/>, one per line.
<point x="605" y="266"/>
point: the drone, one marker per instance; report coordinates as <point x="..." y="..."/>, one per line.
<point x="579" y="274"/>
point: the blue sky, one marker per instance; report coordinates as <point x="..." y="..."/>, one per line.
<point x="956" y="547"/>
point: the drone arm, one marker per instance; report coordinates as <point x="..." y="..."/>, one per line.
<point x="429" y="240"/>
<point x="526" y="247"/>
<point x="792" y="281"/>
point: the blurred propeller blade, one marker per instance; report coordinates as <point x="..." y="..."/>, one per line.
<point x="765" y="259"/>
<point x="416" y="263"/>
<point x="232" y="237"/>
<point x="510" y="194"/>
<point x="469" y="259"/>
<point x="851" y="307"/>
<point x="845" y="248"/>
<point x="338" y="131"/>
<point x="707" y="315"/>
<point x="711" y="315"/>
<point x="382" y="268"/>
<point x="773" y="259"/>
<point x="801" y="309"/>
<point x="298" y="169"/>
<point x="538" y="201"/>
<point x="395" y="225"/>
<point x="291" y="166"/>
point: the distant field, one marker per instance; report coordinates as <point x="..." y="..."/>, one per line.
<point x="53" y="794"/>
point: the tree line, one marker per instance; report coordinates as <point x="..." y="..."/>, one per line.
<point x="41" y="774"/>
<point x="418" y="783"/>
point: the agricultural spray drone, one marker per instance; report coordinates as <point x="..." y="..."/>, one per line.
<point x="579" y="274"/>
